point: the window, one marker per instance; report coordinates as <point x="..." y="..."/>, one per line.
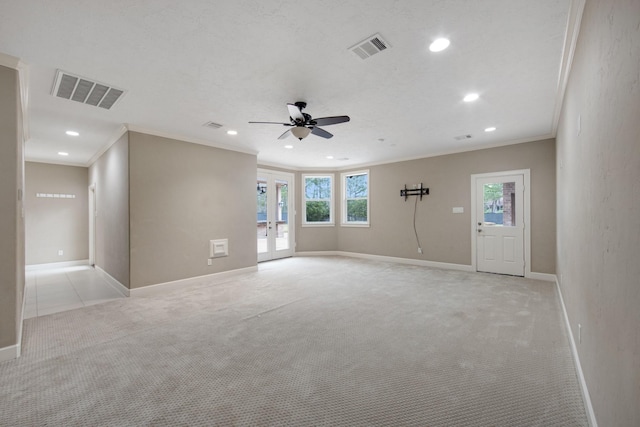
<point x="355" y="197"/>
<point x="317" y="208"/>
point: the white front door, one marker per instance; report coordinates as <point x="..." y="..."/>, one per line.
<point x="500" y="223"/>
<point x="275" y="223"/>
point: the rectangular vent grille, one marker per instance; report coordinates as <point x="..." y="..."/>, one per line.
<point x="462" y="137"/>
<point x="370" y="46"/>
<point x="212" y="125"/>
<point x="81" y="89"/>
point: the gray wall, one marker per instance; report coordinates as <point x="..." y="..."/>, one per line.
<point x="11" y="222"/>
<point x="444" y="236"/>
<point x="182" y="196"/>
<point x="110" y="174"/>
<point x="599" y="206"/>
<point x="52" y="224"/>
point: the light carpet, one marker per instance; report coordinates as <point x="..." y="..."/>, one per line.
<point x="305" y="341"/>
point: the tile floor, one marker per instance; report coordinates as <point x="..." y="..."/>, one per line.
<point x="65" y="288"/>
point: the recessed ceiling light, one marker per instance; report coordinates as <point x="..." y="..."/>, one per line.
<point x="329" y="157"/>
<point x="439" y="45"/>
<point x="232" y="132"/>
<point x="471" y="97"/>
<point x="490" y="129"/>
<point x="62" y="153"/>
<point x="288" y="146"/>
<point x="72" y="133"/>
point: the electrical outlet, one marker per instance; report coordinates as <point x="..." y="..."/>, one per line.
<point x="60" y="252"/>
<point x="419" y="250"/>
<point x="209" y="261"/>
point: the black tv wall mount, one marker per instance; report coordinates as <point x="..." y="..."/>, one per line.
<point x="421" y="191"/>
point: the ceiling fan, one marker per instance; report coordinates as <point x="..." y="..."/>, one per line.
<point x="302" y="124"/>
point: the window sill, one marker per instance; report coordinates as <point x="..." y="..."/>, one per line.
<point x="323" y="224"/>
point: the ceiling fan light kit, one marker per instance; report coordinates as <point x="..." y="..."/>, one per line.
<point x="300" y="132"/>
<point x="302" y="124"/>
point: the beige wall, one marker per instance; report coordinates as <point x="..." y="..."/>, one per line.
<point x="444" y="236"/>
<point x="110" y="174"/>
<point x="182" y="196"/>
<point x="53" y="224"/>
<point x="11" y="223"/>
<point x="599" y="207"/>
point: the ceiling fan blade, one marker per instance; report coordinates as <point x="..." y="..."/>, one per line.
<point x="324" y="121"/>
<point x="321" y="132"/>
<point x="285" y="134"/>
<point x="274" y="123"/>
<point x="295" y="113"/>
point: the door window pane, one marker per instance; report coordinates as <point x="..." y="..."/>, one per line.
<point x="500" y="204"/>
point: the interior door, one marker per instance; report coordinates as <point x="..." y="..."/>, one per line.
<point x="500" y="224"/>
<point x="274" y="215"/>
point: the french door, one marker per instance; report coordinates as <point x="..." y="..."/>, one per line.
<point x="275" y="223"/>
<point x="499" y="217"/>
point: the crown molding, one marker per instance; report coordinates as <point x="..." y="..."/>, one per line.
<point x="576" y="9"/>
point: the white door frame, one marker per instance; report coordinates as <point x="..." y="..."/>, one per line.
<point x="92" y="224"/>
<point x="271" y="176"/>
<point x="526" y="173"/>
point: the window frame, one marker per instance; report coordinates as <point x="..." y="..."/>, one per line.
<point x="331" y="200"/>
<point x="344" y="218"/>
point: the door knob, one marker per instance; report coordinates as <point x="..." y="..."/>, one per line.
<point x="479" y="223"/>
<point x="479" y="230"/>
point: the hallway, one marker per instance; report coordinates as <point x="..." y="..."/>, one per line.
<point x="54" y="290"/>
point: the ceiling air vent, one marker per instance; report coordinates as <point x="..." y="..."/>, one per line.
<point x="462" y="137"/>
<point x="212" y="125"/>
<point x="370" y="46"/>
<point x="86" y="91"/>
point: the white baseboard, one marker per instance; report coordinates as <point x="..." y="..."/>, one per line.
<point x="543" y="276"/>
<point x="161" y="288"/>
<point x="591" y="416"/>
<point x="9" y="353"/>
<point x="122" y="289"/>
<point x="51" y="265"/>
<point x="409" y="261"/>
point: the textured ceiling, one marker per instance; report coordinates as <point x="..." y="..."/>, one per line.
<point x="186" y="63"/>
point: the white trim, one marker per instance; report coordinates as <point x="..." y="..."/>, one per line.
<point x="397" y="260"/>
<point x="576" y="9"/>
<point x="591" y="416"/>
<point x="9" y="352"/>
<point x="10" y="61"/>
<point x="122" y="289"/>
<point x="527" y="215"/>
<point x="51" y="265"/>
<point x="114" y="138"/>
<point x="161" y="288"/>
<point x="545" y="277"/>
<point x="92" y="223"/>
<point x="162" y="134"/>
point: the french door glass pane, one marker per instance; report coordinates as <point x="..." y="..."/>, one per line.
<point x="261" y="191"/>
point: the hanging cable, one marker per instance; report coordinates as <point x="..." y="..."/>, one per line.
<point x="415" y="230"/>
